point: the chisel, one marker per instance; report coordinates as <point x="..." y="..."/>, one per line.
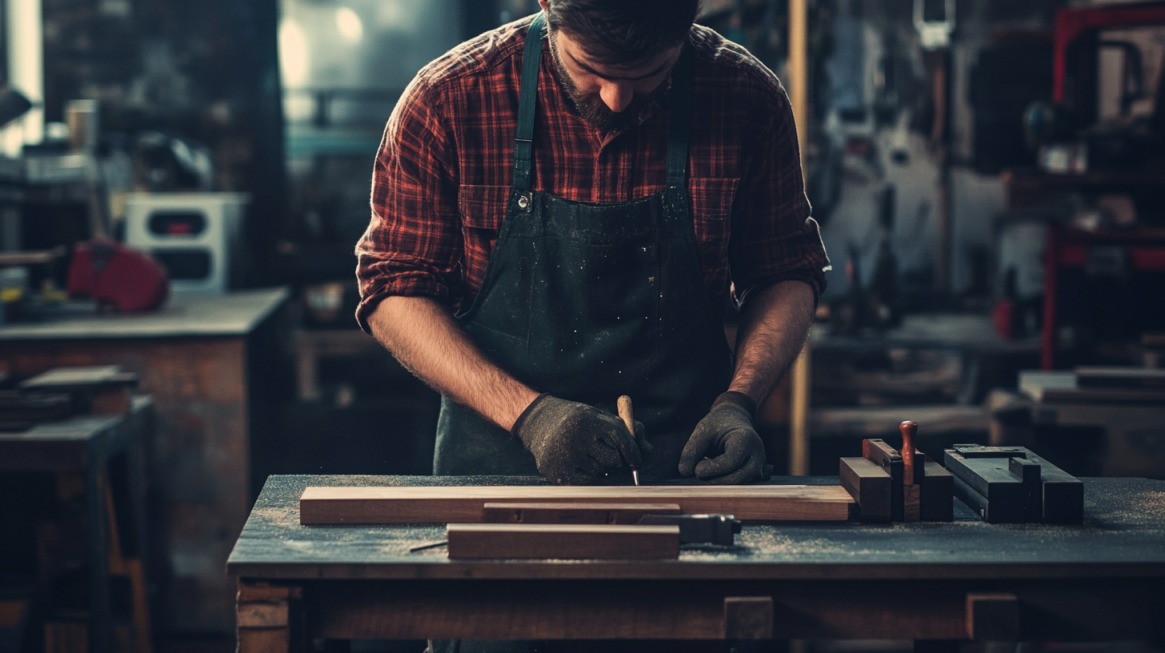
<point x="624" y="409"/>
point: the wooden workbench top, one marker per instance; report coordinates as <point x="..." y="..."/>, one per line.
<point x="183" y="315"/>
<point x="1123" y="535"/>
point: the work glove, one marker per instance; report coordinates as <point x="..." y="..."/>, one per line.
<point x="576" y="444"/>
<point x="724" y="447"/>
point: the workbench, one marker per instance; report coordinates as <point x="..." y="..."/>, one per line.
<point x="1131" y="419"/>
<point x="86" y="445"/>
<point x="215" y="365"/>
<point x="925" y="581"/>
<point x="971" y="338"/>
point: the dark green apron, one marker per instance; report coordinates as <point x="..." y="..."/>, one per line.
<point x="591" y="301"/>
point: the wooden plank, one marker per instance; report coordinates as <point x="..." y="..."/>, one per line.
<point x="573" y="513"/>
<point x="79" y="378"/>
<point x="589" y="541"/>
<point x="881" y="453"/>
<point x="16" y="406"/>
<point x="450" y="504"/>
<point x="1028" y="473"/>
<point x="869" y="485"/>
<point x="938" y="493"/>
<point x="1063" y="494"/>
<point x="1121" y="377"/>
<point x="991" y="479"/>
<point x="1061" y="387"/>
<point x="984" y="451"/>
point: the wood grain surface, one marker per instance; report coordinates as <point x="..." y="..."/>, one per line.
<point x="419" y="505"/>
<point x="573" y="513"/>
<point x="589" y="541"/>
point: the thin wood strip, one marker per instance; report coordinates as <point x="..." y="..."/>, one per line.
<point x="573" y="513"/>
<point x="589" y="541"/>
<point x="335" y="505"/>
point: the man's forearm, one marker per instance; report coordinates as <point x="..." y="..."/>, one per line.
<point x="773" y="328"/>
<point x="429" y="342"/>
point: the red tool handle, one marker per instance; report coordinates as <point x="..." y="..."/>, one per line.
<point x="908" y="428"/>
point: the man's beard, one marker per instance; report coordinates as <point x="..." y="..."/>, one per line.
<point x="592" y="109"/>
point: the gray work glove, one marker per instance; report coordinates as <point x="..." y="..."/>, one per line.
<point x="724" y="447"/>
<point x="576" y="444"/>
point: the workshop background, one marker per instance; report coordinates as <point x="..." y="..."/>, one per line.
<point x="987" y="175"/>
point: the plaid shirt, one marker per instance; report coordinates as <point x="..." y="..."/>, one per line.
<point x="443" y="172"/>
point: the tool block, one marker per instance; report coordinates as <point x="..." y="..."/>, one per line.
<point x="890" y="486"/>
<point x="98" y="390"/>
<point x="1013" y="484"/>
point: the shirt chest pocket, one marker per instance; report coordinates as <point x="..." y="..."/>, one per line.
<point x="483" y="210"/>
<point x="712" y="199"/>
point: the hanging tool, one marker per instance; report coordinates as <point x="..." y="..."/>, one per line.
<point x="624" y="409"/>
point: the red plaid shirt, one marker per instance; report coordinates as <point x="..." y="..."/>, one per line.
<point x="443" y="172"/>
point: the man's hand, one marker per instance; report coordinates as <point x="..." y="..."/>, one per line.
<point x="725" y="447"/>
<point x="573" y="443"/>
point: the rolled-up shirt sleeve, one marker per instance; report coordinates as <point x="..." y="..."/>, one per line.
<point x="774" y="237"/>
<point x="412" y="245"/>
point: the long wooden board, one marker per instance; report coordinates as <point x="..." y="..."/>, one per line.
<point x="463" y="504"/>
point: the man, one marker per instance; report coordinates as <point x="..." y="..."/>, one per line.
<point x="561" y="208"/>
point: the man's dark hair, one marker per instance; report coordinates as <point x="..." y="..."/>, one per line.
<point x="624" y="32"/>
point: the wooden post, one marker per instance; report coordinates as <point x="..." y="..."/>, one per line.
<point x="799" y="415"/>
<point x="799" y="99"/>
<point x="269" y="618"/>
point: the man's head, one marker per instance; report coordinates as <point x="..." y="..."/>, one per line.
<point x="614" y="55"/>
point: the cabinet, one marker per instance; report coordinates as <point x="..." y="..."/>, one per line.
<point x="1101" y="284"/>
<point x="1109" y="281"/>
<point x="216" y="367"/>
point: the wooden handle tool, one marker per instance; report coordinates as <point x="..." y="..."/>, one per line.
<point x="908" y="428"/>
<point x="624" y="408"/>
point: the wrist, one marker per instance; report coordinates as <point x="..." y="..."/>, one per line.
<point x="526" y="414"/>
<point x="737" y="399"/>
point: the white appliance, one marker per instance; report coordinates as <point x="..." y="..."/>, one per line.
<point x="195" y="236"/>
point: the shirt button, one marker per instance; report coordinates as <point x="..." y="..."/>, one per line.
<point x="523" y="201"/>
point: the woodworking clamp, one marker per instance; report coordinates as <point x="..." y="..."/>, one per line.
<point x="1001" y="484"/>
<point x="898" y="485"/>
<point x="1012" y="484"/>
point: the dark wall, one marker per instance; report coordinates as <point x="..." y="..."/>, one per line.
<point x="206" y="72"/>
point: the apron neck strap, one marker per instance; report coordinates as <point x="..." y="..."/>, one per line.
<point x="524" y="141"/>
<point x="681" y="118"/>
<point x="678" y="129"/>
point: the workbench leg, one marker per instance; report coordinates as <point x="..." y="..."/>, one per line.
<point x="136" y="477"/>
<point x="937" y="645"/>
<point x="100" y="622"/>
<point x="269" y="618"/>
